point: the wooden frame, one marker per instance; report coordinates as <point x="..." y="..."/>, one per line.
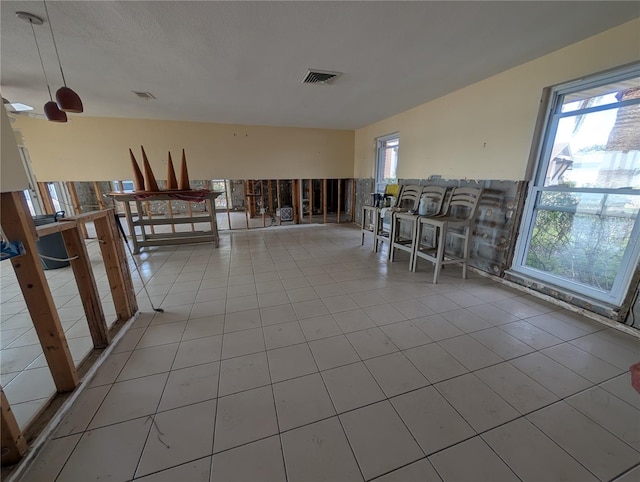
<point x="13" y="443"/>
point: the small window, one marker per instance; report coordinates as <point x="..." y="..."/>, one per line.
<point x="387" y="161"/>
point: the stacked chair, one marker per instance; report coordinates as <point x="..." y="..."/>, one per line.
<point x="404" y="220"/>
<point x="455" y="223"/>
<point x="373" y="217"/>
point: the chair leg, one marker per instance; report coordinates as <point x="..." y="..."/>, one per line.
<point x="467" y="250"/>
<point x="392" y="238"/>
<point x="416" y="247"/>
<point x="440" y="253"/>
<point x="413" y="243"/>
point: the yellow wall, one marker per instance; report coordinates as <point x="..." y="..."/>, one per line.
<point x="14" y="177"/>
<point x="485" y="130"/>
<point x="92" y="148"/>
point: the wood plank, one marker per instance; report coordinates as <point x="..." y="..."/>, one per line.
<point x="245" y="187"/>
<point x="170" y="211"/>
<point x="132" y="228"/>
<point x="278" y="202"/>
<point x="51" y="228"/>
<point x="297" y="209"/>
<point x="86" y="287"/>
<point x="190" y="212"/>
<point x="14" y="444"/>
<point x="353" y="200"/>
<point x="17" y="225"/>
<point x="324" y="201"/>
<point x="77" y="207"/>
<point x="117" y="268"/>
<point x="310" y="201"/>
<point x="96" y="189"/>
<point x="227" y="183"/>
<point x="45" y="196"/>
<point x="339" y="199"/>
<point x="147" y="207"/>
<point x="120" y="186"/>
<point x="85" y="217"/>
<point x="270" y="189"/>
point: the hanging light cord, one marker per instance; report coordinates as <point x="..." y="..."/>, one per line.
<point x="40" y="56"/>
<point x="55" y="45"/>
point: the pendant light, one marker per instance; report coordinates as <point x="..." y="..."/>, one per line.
<point x="51" y="110"/>
<point x="68" y="100"/>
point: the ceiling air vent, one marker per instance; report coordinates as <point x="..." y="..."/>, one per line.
<point x="144" y="95"/>
<point x="314" y="76"/>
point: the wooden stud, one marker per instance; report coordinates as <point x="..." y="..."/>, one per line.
<point x="278" y="202"/>
<point x="245" y="187"/>
<point x="339" y="199"/>
<point x="17" y="225"/>
<point x="96" y="189"/>
<point x="170" y="211"/>
<point x="76" y="207"/>
<point x="310" y="201"/>
<point x="45" y="196"/>
<point x="147" y="207"/>
<point x="227" y="183"/>
<point x="324" y="201"/>
<point x="190" y="212"/>
<point x="353" y="200"/>
<point x="270" y="189"/>
<point x="14" y="444"/>
<point x="116" y="266"/>
<point x="86" y="286"/>
<point x="121" y="186"/>
<point x="297" y="208"/>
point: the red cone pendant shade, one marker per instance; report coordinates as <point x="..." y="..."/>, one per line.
<point x="53" y="113"/>
<point x="68" y="100"/>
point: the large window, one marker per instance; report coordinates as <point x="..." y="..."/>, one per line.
<point x="580" y="229"/>
<point x="387" y="161"/>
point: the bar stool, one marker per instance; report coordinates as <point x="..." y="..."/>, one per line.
<point x="373" y="217"/>
<point x="460" y="213"/>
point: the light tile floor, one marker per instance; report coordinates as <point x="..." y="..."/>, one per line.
<point x="297" y="354"/>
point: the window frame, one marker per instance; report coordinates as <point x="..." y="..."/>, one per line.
<point x="379" y="182"/>
<point x="545" y="144"/>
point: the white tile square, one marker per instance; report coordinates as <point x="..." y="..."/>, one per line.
<point x="208" y="308"/>
<point x="420" y="471"/>
<point x="477" y="403"/>
<point x="329" y="290"/>
<point x="235" y="291"/>
<point x="379" y="439"/>
<point x="243" y="373"/>
<point x="604" y="349"/>
<point x="149" y="361"/>
<point x="244" y="417"/>
<point x="353" y="320"/>
<point x="109" y="370"/>
<point x="202" y="327"/>
<point x="275" y="298"/>
<point x="291" y="361"/>
<point x="242" y="343"/>
<point x="196" y="471"/>
<point x="431" y="419"/>
<point x="435" y="363"/>
<point x="82" y="411"/>
<point x="301" y="401"/>
<point x="370" y="343"/>
<point x="320" y="327"/>
<point x="130" y="399"/>
<point x="465" y="320"/>
<point x="502" y="343"/>
<point x="198" y="351"/>
<point x="405" y="334"/>
<point x="384" y="314"/>
<point x="108" y="453"/>
<point x="474" y="460"/>
<point x="336" y="304"/>
<point x="351" y="386"/>
<point x="532" y="455"/>
<point x="531" y="335"/>
<point x="261" y="460"/>
<point x="283" y="334"/>
<point x="521" y="391"/>
<point x="178" y="436"/>
<point x="437" y="328"/>
<point x="241" y="320"/>
<point x="395" y="374"/>
<point x="190" y="385"/>
<point x="550" y="374"/>
<point x="309" y="309"/>
<point x="584" y="364"/>
<point x="162" y="334"/>
<point x="598" y="450"/>
<point x="51" y="459"/>
<point x="469" y="352"/>
<point x="248" y="302"/>
<point x="277" y="314"/>
<point x="309" y="460"/>
<point x="333" y="352"/>
<point x="306" y="293"/>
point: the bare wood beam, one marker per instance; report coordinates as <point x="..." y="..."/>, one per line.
<point x="170" y="211"/>
<point x="96" y="189"/>
<point x="278" y="201"/>
<point x="245" y="187"/>
<point x="17" y="225"/>
<point x="324" y="201"/>
<point x="86" y="287"/>
<point x="339" y="199"/>
<point x="353" y="200"/>
<point x="76" y="206"/>
<point x="14" y="444"/>
<point x="117" y="268"/>
<point x="45" y="195"/>
<point x="310" y="201"/>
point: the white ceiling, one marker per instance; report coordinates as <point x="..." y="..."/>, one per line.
<point x="242" y="62"/>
